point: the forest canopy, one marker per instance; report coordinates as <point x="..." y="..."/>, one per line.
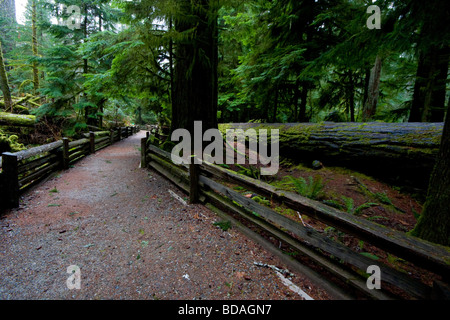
<point x="105" y="62"/>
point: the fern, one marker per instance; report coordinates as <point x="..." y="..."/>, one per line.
<point x="251" y="172"/>
<point x="310" y="189"/>
<point x="349" y="206"/>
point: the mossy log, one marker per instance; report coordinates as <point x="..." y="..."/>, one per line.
<point x="402" y="153"/>
<point x="19" y="104"/>
<point x="17" y="109"/>
<point x="18" y="120"/>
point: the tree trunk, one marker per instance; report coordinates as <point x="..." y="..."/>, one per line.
<point x="34" y="46"/>
<point x="19" y="120"/>
<point x="373" y="90"/>
<point x="303" y="98"/>
<point x="275" y="105"/>
<point x="406" y="151"/>
<point x="351" y="96"/>
<point x="434" y="222"/>
<point x="430" y="86"/>
<point x="438" y="108"/>
<point x="171" y="59"/>
<point x="4" y="82"/>
<point x="8" y="17"/>
<point x="195" y="69"/>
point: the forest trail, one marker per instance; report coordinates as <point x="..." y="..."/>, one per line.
<point x="130" y="238"/>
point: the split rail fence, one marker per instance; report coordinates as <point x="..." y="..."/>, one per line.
<point x="22" y="170"/>
<point x="332" y="258"/>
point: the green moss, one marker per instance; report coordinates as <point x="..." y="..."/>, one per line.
<point x="17" y="119"/>
<point x="262" y="201"/>
<point x="224" y="224"/>
<point x="10" y="143"/>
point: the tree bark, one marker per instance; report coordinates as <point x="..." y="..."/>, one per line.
<point x="195" y="82"/>
<point x="275" y="104"/>
<point x="20" y="120"/>
<point x="373" y="90"/>
<point x="34" y="46"/>
<point x="351" y="96"/>
<point x="195" y="68"/>
<point x="434" y="222"/>
<point x="4" y="82"/>
<point x="401" y="153"/>
<point x="303" y="98"/>
<point x="430" y="87"/>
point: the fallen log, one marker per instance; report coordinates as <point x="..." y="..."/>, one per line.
<point x="400" y="153"/>
<point x="17" y="108"/>
<point x="20" y="103"/>
<point x="19" y="120"/>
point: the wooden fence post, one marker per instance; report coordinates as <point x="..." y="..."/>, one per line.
<point x="144" y="153"/>
<point x="194" y="172"/>
<point x="92" y="141"/>
<point x="111" y="137"/>
<point x="11" y="179"/>
<point x="65" y="153"/>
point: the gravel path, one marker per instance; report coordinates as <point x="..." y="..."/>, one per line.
<point x="130" y="238"/>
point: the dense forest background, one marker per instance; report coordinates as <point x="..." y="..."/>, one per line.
<point x="278" y="61"/>
<point x="78" y="65"/>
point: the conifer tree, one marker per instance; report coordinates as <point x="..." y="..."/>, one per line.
<point x="195" y="70"/>
<point x="4" y="82"/>
<point x="434" y="222"/>
<point x="35" y="47"/>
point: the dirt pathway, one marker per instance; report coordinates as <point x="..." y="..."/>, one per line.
<point x="130" y="238"/>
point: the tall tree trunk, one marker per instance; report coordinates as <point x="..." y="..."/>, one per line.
<point x="171" y="60"/>
<point x="351" y="96"/>
<point x="438" y="108"/>
<point x="8" y="17"/>
<point x="4" y="82"/>
<point x="195" y="73"/>
<point x="100" y="22"/>
<point x="195" y="69"/>
<point x="294" y="102"/>
<point x="373" y="91"/>
<point x="430" y="87"/>
<point x="434" y="222"/>
<point x="275" y="105"/>
<point x="303" y="100"/>
<point x="418" y="101"/>
<point x="140" y="121"/>
<point x="34" y="47"/>
<point x="89" y="111"/>
<point x="366" y="85"/>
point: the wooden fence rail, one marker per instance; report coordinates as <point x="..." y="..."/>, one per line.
<point x="23" y="169"/>
<point x="336" y="258"/>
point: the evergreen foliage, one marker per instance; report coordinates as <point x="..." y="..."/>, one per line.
<point x="170" y="61"/>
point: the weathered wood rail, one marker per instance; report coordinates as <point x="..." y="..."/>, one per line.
<point x="335" y="258"/>
<point x="23" y="169"/>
